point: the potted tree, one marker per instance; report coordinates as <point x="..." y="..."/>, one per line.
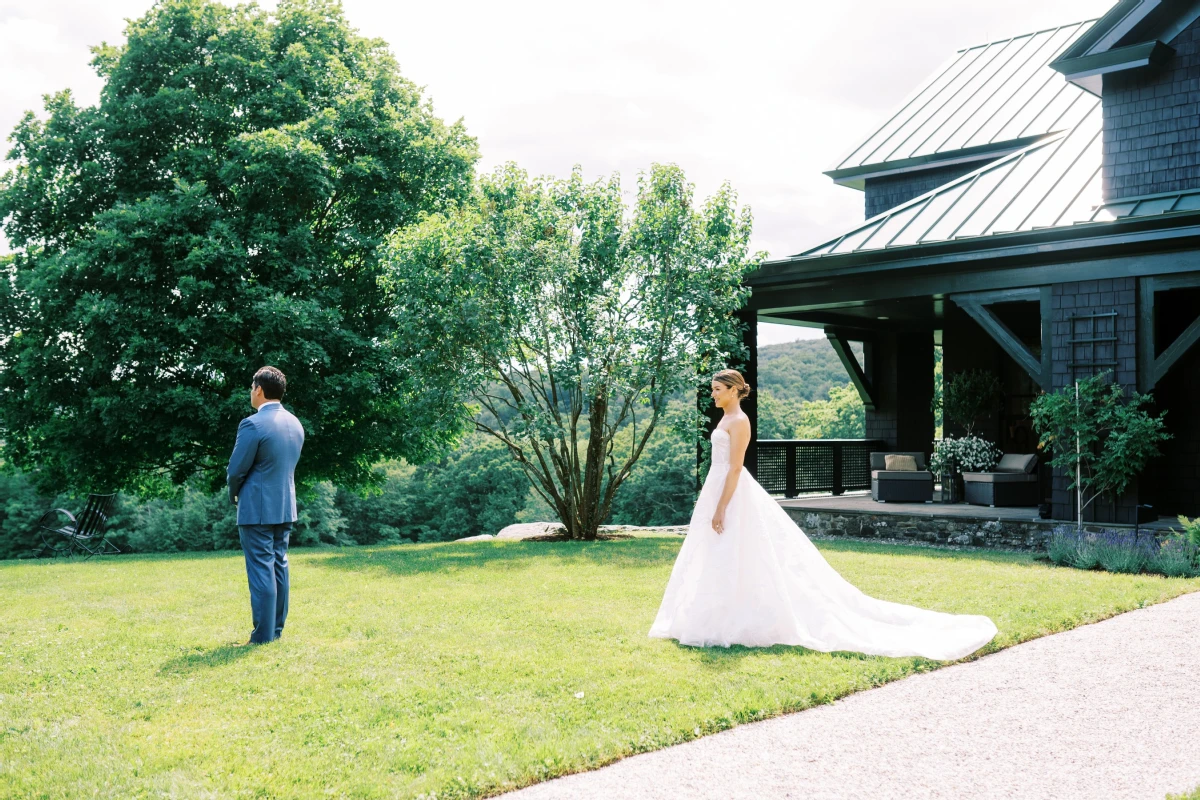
<point x="965" y="399"/>
<point x="1098" y="436"/>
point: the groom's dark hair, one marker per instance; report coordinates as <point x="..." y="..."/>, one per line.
<point x="272" y="383"/>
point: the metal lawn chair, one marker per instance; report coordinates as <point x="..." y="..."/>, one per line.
<point x="64" y="533"/>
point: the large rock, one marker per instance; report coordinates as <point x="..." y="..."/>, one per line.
<point x="679" y="530"/>
<point x="483" y="537"/>
<point x="527" y="530"/>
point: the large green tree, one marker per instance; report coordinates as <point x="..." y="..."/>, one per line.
<point x="570" y="317"/>
<point x="221" y="208"/>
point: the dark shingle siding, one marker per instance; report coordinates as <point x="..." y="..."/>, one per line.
<point x="892" y="190"/>
<point x="1152" y="124"/>
<point x="1078" y="299"/>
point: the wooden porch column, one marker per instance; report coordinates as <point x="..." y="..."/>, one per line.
<point x="901" y="366"/>
<point x="749" y="370"/>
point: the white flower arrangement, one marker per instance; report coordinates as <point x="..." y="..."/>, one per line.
<point x="964" y="454"/>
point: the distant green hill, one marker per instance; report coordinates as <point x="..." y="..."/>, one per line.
<point x="802" y="370"/>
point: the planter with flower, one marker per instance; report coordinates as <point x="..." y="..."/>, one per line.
<point x="953" y="456"/>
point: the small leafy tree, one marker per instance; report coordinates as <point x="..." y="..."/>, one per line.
<point x="569" y="317"/>
<point x="221" y="208"/>
<point x="966" y="397"/>
<point x="1099" y="433"/>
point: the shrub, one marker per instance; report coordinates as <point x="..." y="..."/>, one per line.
<point x="319" y="520"/>
<point x="20" y="507"/>
<point x="1176" y="558"/>
<point x="194" y="520"/>
<point x="661" y="489"/>
<point x="1123" y="551"/>
<point x="963" y="454"/>
<point x="1191" y="529"/>
<point x="1061" y="546"/>
<point x="1085" y="555"/>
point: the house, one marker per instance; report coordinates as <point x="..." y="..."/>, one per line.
<point x="1034" y="210"/>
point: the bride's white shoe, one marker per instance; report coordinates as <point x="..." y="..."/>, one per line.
<point x="762" y="582"/>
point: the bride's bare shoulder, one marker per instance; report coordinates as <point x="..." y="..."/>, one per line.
<point x="740" y="423"/>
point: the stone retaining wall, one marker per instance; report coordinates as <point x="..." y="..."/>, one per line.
<point x="978" y="531"/>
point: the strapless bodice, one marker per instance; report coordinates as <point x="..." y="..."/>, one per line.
<point x="720" y="447"/>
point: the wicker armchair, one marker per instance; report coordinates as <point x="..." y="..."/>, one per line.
<point x="900" y="486"/>
<point x="1014" y="482"/>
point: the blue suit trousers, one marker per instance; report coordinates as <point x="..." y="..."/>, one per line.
<point x="266" y="547"/>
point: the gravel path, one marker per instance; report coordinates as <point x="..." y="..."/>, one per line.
<point x="1110" y="710"/>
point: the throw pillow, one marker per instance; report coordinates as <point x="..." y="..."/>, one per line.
<point x="898" y="463"/>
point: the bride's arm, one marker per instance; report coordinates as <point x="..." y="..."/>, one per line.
<point x="739" y="440"/>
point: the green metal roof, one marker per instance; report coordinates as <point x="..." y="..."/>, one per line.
<point x="983" y="102"/>
<point x="1146" y="205"/>
<point x="1053" y="182"/>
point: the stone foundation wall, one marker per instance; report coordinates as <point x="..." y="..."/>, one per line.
<point x="977" y="531"/>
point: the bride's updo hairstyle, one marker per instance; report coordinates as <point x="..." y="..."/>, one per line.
<point x="734" y="380"/>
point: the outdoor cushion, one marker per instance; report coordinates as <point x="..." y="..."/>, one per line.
<point x="901" y="475"/>
<point x="999" y="477"/>
<point x="879" y="460"/>
<point x="1017" y="462"/>
<point x="895" y="461"/>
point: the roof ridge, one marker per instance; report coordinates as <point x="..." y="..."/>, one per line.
<point x="1031" y="33"/>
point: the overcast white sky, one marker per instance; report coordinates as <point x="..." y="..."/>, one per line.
<point x="762" y="94"/>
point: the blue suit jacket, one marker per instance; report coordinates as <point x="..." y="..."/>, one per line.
<point x="261" y="468"/>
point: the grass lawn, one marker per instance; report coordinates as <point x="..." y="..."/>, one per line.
<point x="453" y="670"/>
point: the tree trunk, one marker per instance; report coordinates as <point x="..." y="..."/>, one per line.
<point x="593" y="471"/>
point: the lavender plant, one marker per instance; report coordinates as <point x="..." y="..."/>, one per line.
<point x="1061" y="545"/>
<point x="1085" y="555"/>
<point x="1177" y="557"/>
<point x="1124" y="551"/>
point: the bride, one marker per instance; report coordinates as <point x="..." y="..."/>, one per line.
<point x="747" y="575"/>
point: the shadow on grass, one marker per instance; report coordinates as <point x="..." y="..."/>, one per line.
<point x="721" y="659"/>
<point x="414" y="559"/>
<point x="204" y="659"/>
<point x="626" y="553"/>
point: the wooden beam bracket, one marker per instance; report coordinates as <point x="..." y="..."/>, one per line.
<point x="862" y="383"/>
<point x="1151" y="370"/>
<point x="976" y="305"/>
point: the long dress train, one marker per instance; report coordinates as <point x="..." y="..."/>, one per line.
<point x="762" y="582"/>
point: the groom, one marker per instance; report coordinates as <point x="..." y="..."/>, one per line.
<point x="261" y="486"/>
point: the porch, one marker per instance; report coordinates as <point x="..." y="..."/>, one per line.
<point x="824" y="486"/>
<point x="857" y="515"/>
<point x="1037" y="317"/>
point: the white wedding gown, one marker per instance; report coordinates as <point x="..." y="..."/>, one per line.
<point x="762" y="582"/>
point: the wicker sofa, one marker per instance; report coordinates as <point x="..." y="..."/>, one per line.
<point x="900" y="486"/>
<point x="1014" y="482"/>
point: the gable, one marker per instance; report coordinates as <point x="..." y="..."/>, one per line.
<point x="1133" y="35"/>
<point x="983" y="103"/>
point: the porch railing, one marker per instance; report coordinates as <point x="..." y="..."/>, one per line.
<point x="794" y="466"/>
